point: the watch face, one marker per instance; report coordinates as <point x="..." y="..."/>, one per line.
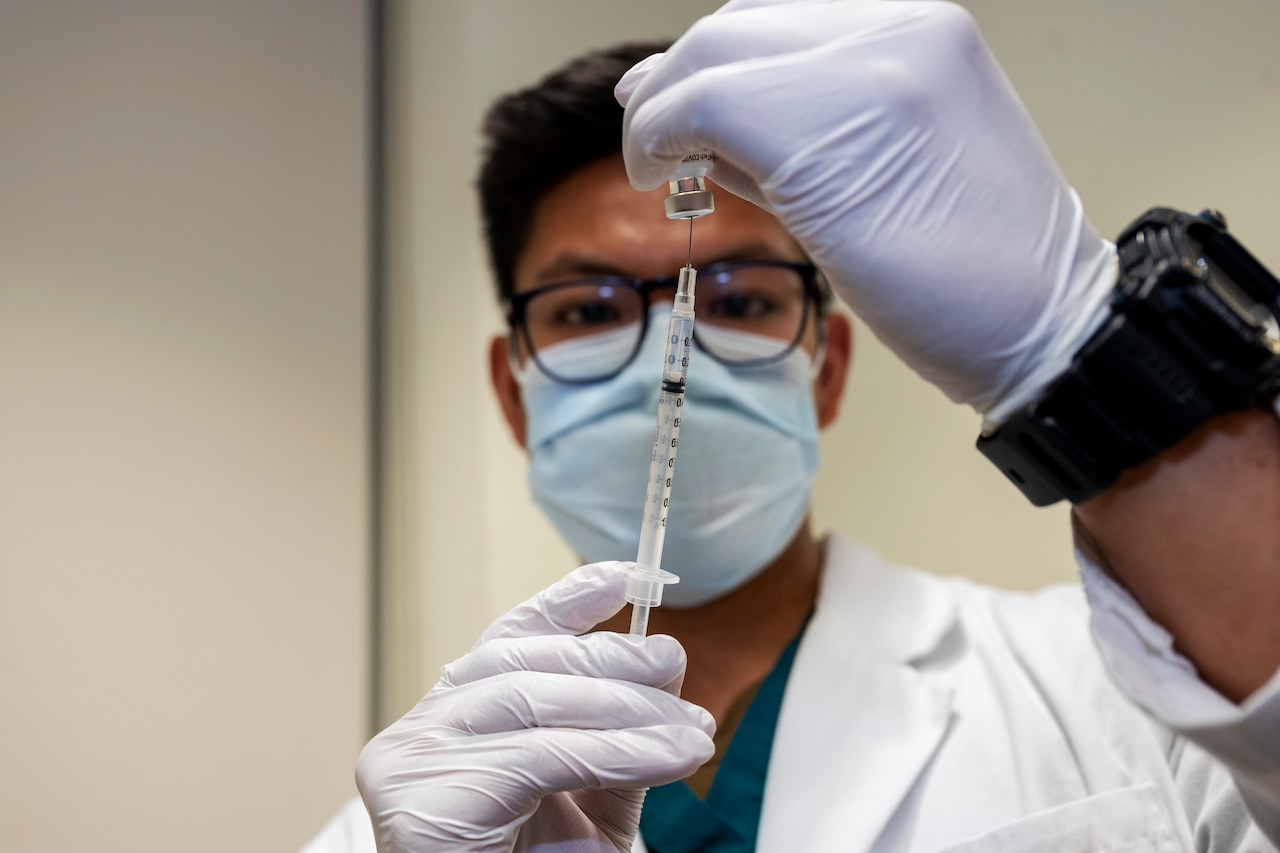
<point x="1258" y="315"/>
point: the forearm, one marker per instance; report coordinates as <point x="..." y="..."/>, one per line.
<point x="1194" y="535"/>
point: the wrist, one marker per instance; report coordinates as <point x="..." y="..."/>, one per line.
<point x="1088" y="309"/>
<point x="1191" y="536"/>
<point x="1192" y="330"/>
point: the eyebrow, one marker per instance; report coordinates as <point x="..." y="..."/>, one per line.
<point x="573" y="263"/>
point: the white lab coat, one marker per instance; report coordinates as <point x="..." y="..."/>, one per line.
<point x="931" y="714"/>
<point x="928" y="714"/>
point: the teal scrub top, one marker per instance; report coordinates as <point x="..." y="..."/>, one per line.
<point x="674" y="820"/>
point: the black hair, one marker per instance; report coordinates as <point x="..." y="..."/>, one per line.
<point x="537" y="137"/>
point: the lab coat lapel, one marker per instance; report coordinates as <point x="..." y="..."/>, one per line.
<point x="858" y="724"/>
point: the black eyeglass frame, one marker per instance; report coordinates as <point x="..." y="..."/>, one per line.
<point x="817" y="293"/>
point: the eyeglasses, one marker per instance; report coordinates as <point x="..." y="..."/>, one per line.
<point x="748" y="313"/>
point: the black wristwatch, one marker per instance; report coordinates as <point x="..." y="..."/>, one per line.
<point x="1194" y="331"/>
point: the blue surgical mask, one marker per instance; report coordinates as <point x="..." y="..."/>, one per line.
<point x="748" y="454"/>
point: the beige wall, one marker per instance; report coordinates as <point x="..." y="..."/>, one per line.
<point x="183" y="441"/>
<point x="1143" y="103"/>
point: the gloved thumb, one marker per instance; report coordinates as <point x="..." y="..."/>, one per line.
<point x="575" y="604"/>
<point x="630" y="81"/>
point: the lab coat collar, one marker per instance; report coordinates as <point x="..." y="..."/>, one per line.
<point x="888" y="611"/>
<point x="858" y="723"/>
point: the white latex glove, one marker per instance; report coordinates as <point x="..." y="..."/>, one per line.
<point x="538" y="736"/>
<point x="890" y="143"/>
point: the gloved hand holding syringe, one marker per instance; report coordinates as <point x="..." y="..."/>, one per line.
<point x="690" y="199"/>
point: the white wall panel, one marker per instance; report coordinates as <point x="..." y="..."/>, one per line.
<point x="183" y="421"/>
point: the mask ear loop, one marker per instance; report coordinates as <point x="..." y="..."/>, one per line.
<point x="819" y="352"/>
<point x="821" y="309"/>
<point x="513" y="359"/>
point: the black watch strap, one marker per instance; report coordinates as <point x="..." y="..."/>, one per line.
<point x="1172" y="354"/>
<point x="1124" y="400"/>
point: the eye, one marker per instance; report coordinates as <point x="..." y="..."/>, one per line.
<point x="589" y="307"/>
<point x="587" y="312"/>
<point x="742" y="305"/>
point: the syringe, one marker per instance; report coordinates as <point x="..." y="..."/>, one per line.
<point x="690" y="200"/>
<point x="646" y="577"/>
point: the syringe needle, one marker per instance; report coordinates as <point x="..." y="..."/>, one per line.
<point x="689" y="261"/>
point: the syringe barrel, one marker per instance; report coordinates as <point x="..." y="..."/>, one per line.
<point x="684" y="292"/>
<point x="666" y="434"/>
<point x="657" y="496"/>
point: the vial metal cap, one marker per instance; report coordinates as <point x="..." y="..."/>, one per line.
<point x="689" y="198"/>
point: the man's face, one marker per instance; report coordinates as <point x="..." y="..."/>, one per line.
<point x="596" y="223"/>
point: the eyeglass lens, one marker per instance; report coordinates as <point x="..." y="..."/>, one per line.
<point x="592" y="328"/>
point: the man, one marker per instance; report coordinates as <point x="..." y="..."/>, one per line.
<point x="830" y="700"/>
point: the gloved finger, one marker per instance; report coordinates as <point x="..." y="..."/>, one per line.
<point x="657" y="661"/>
<point x="575" y="604"/>
<point x="515" y="767"/>
<point x="742" y="5"/>
<point x="755" y="29"/>
<point x="723" y="172"/>
<point x="715" y="40"/>
<point x="625" y="758"/>
<point x="627" y="85"/>
<point x="696" y="115"/>
<point x="682" y="101"/>
<point x="524" y="700"/>
<point x="603" y="818"/>
<point x="474" y="793"/>
<point x="629" y="81"/>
